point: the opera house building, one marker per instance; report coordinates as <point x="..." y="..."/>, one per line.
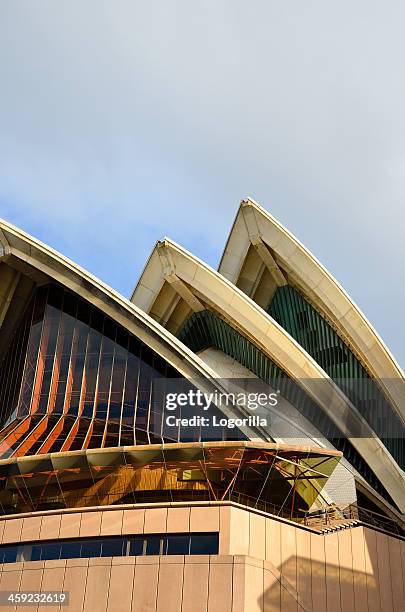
<point x="223" y="441"/>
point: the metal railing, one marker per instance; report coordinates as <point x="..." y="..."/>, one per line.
<point x="328" y="516"/>
<point x="331" y="515"/>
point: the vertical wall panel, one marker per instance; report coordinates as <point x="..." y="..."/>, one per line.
<point x="318" y="573"/>
<point x="97" y="587"/>
<point x="90" y="524"/>
<point x="359" y="569"/>
<point x="155" y="520"/>
<point x="31" y="528"/>
<point x="239" y="585"/>
<point x="12" y="530"/>
<point x="170" y="586"/>
<point x="10" y="581"/>
<point x="220" y="584"/>
<point x="75" y="584"/>
<point x="384" y="571"/>
<point x="402" y="547"/>
<point x="195" y="585"/>
<point x="224" y="530"/>
<point x="398" y="591"/>
<point x="332" y="573"/>
<point x="271" y="589"/>
<point x="257" y="526"/>
<point x="52" y="580"/>
<point x="145" y="584"/>
<point x="121" y="586"/>
<point x="133" y="521"/>
<point x="371" y="566"/>
<point x="346" y="569"/>
<point x="31" y="581"/>
<point x="254" y="596"/>
<point x="289" y="554"/>
<point x="304" y="586"/>
<point x="204" y="518"/>
<point x="239" y="532"/>
<point x="273" y="542"/>
<point x="111" y="522"/>
<point x="70" y="525"/>
<point x="288" y="601"/>
<point x="178" y="520"/>
<point x="50" y="526"/>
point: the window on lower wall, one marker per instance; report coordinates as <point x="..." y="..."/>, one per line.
<point x="165" y="544"/>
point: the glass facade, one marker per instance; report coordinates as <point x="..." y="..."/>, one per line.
<point x="165" y="544"/>
<point x="73" y="378"/>
<point x="285" y="482"/>
<point x="311" y="330"/>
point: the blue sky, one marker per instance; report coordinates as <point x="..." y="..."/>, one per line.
<point x="122" y="122"/>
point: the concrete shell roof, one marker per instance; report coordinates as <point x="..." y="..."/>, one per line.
<point x="252" y="224"/>
<point x="169" y="262"/>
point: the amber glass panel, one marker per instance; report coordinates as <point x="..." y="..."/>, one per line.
<point x="79" y="380"/>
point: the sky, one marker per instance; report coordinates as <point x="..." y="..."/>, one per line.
<point x="123" y="122"/>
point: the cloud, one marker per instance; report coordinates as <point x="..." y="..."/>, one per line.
<point x="123" y="122"/>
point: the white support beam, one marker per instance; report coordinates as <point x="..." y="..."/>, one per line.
<point x="261" y="248"/>
<point x="169" y="273"/>
<point x="4" y="245"/>
<point x="269" y="261"/>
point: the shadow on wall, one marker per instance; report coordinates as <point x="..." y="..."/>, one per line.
<point x="320" y="588"/>
<point x="366" y="575"/>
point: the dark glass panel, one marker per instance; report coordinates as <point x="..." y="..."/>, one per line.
<point x="91" y="548"/>
<point x="27" y="386"/>
<point x="80" y="435"/>
<point x="122" y="338"/>
<point x="97" y="434"/>
<point x="91" y="371"/>
<point x="131" y="386"/>
<point x="97" y="320"/>
<point x="115" y="547"/>
<point x="136" y="547"/>
<point x="40" y="439"/>
<point x="12" y="367"/>
<point x="77" y="364"/>
<point x="83" y="312"/>
<point x="94" y="344"/>
<point x="112" y="435"/>
<point x="36" y="553"/>
<point x="55" y="296"/>
<point x="177" y="545"/>
<point x="110" y="329"/>
<point x="70" y="550"/>
<point x="68" y="422"/>
<point x="70" y="304"/>
<point x="144" y="389"/>
<point x="117" y="382"/>
<point x="9" y="554"/>
<point x="153" y="545"/>
<point x="204" y="544"/>
<point x="104" y="376"/>
<point x="51" y="551"/>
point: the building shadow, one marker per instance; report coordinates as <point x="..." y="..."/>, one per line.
<point x="304" y="585"/>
